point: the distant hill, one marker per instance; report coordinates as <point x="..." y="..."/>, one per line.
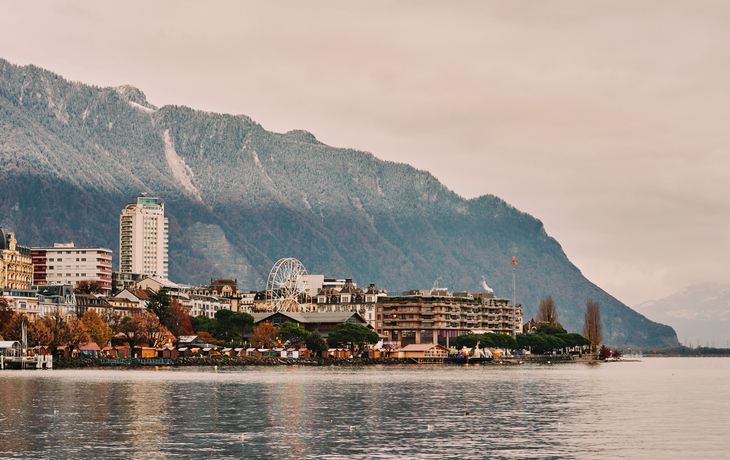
<point x="239" y="197"/>
<point x="700" y="312"/>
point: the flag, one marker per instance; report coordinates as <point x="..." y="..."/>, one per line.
<point x="514" y="261"/>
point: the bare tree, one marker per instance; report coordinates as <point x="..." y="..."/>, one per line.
<point x="90" y="287"/>
<point x="592" y="329"/>
<point x="547" y="312"/>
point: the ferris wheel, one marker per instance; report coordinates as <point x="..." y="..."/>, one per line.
<point x="288" y="285"/>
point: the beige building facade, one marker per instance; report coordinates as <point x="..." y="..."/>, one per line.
<point x="143" y="237"/>
<point x="16" y="264"/>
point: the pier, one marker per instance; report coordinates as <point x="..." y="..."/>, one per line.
<point x="26" y="362"/>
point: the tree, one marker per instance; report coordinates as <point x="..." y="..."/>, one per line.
<point x="129" y="327"/>
<point x="56" y="329"/>
<point x="207" y="338"/>
<point x="242" y="323"/>
<point x="604" y="352"/>
<point x="230" y="326"/>
<point x="178" y="321"/>
<point x="159" y="304"/>
<point x="547" y="312"/>
<point x="111" y="318"/>
<point x="554" y="343"/>
<point x="39" y="333"/>
<point x="352" y="334"/>
<point x="98" y="331"/>
<point x="501" y="340"/>
<point x="75" y="332"/>
<point x="535" y="342"/>
<point x="573" y="339"/>
<point x="469" y="340"/>
<point x="592" y="328"/>
<point x="315" y="343"/>
<point x="90" y="287"/>
<point x="292" y="333"/>
<point x="203" y="323"/>
<point x="152" y="331"/>
<point x="550" y="330"/>
<point x="7" y="316"/>
<point x="264" y="336"/>
<point x="616" y="354"/>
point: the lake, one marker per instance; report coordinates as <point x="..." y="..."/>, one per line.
<point x="656" y="408"/>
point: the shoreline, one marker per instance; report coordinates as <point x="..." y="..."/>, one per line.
<point x="129" y="363"/>
<point x="85" y="362"/>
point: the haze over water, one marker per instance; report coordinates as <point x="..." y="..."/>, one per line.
<point x="656" y="408"/>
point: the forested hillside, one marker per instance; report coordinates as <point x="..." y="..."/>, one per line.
<point x="239" y="197"/>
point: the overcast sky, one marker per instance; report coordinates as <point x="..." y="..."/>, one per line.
<point x="608" y="121"/>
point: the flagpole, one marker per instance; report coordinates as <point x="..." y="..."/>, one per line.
<point x="514" y="303"/>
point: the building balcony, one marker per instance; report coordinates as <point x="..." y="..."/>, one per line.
<point x="104" y="263"/>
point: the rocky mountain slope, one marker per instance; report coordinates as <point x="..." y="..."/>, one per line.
<point x="239" y="197"/>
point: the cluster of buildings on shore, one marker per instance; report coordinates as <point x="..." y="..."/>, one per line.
<point x="37" y="280"/>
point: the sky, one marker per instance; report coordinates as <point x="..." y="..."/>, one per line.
<point x="606" y="120"/>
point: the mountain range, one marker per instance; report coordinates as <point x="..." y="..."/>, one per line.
<point x="699" y="313"/>
<point x="239" y="197"/>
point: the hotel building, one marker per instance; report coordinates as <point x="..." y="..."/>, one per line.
<point x="16" y="269"/>
<point x="143" y="237"/>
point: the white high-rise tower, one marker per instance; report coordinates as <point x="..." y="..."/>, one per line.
<point x="143" y="237"/>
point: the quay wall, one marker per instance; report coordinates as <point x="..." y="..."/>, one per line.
<point x="78" y="363"/>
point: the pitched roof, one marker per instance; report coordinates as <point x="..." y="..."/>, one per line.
<point x="348" y="289"/>
<point x="420" y="347"/>
<point x="312" y="317"/>
<point x="223" y="281"/>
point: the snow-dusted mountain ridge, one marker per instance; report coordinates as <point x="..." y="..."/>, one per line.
<point x="240" y="197"/>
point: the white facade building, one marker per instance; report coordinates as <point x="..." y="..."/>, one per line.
<point x="67" y="264"/>
<point x="143" y="237"/>
<point x="207" y="305"/>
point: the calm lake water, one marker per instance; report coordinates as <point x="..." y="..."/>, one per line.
<point x="656" y="408"/>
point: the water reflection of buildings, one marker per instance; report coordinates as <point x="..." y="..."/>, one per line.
<point x="290" y="414"/>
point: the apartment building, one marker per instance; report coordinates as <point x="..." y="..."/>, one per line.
<point x="438" y="316"/>
<point x="143" y="237"/>
<point x="67" y="264"/>
<point x="207" y="305"/>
